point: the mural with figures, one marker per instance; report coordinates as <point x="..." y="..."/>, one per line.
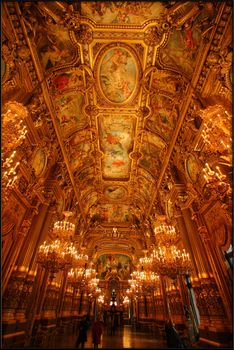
<point x="153" y="150"/>
<point x="115" y="192"/>
<point x="181" y="50"/>
<point x="68" y="98"/>
<point x="118" y="75"/>
<point x="80" y="157"/>
<point x="119" y="264"/>
<point x="111" y="213"/>
<point x="168" y="83"/>
<point x="164" y="116"/>
<point x="122" y="12"/>
<point x="53" y="45"/>
<point x="69" y="108"/>
<point x="116" y="142"/>
<point x="68" y="80"/>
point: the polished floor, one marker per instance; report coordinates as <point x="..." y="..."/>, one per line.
<point x="125" y="337"/>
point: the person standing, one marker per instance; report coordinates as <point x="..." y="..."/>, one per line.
<point x="97" y="333"/>
<point x="83" y="328"/>
<point x="172" y="336"/>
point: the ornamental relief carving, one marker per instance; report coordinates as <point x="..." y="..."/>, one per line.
<point x="218" y="226"/>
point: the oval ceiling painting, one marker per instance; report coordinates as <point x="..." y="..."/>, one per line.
<point x="118" y="74"/>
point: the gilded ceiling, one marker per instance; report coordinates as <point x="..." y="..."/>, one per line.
<point x="117" y="77"/>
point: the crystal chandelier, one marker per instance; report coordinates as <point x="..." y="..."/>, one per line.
<point x="209" y="133"/>
<point x="126" y="300"/>
<point x="50" y="257"/>
<point x="14" y="132"/>
<point x="76" y="277"/>
<point x="135" y="288"/>
<point x="9" y="171"/>
<point x="89" y="275"/>
<point x="166" y="234"/>
<point x="93" y="283"/>
<point x="101" y="299"/>
<point x="95" y="292"/>
<point x="171" y="262"/>
<point x="92" y="287"/>
<point x="69" y="253"/>
<point x="13" y="135"/>
<point x="56" y="255"/>
<point x="64" y="229"/>
<point x="80" y="260"/>
<point x="129" y="293"/>
<point x="146" y="263"/>
<point x="147" y="280"/>
<point x="217" y="185"/>
<point x="211" y="175"/>
<point x="166" y="258"/>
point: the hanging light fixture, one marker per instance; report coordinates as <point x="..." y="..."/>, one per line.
<point x="135" y="288"/>
<point x="60" y="253"/>
<point x="126" y="300"/>
<point x="166" y="258"/>
<point x="166" y="234"/>
<point x="171" y="262"/>
<point x="89" y="275"/>
<point x="14" y="130"/>
<point x="50" y="256"/>
<point x="64" y="229"/>
<point x="9" y="173"/>
<point x="56" y="255"/>
<point x="146" y="280"/>
<point x="81" y="260"/>
<point x="101" y="299"/>
<point x="13" y="135"/>
<point x="146" y="263"/>
<point x="76" y="277"/>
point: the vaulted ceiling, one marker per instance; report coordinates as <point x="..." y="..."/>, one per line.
<point x="118" y="78"/>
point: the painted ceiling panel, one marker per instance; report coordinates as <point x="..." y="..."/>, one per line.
<point x="53" y="45"/>
<point x="118" y="263"/>
<point x="115" y="193"/>
<point x="182" y="49"/>
<point x="122" y="12"/>
<point x="116" y="142"/>
<point x="165" y="113"/>
<point x="116" y="74"/>
<point x="111" y="214"/>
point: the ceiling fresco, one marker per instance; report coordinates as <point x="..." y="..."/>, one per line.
<point x="116" y="142"/>
<point x="114" y="265"/>
<point x="53" y="44"/>
<point x="121" y="12"/>
<point x="116" y="73"/>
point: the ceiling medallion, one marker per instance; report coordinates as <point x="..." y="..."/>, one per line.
<point x="117" y="73"/>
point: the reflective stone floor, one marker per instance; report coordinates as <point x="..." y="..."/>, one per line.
<point x="125" y="337"/>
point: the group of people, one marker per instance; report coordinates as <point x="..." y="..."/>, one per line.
<point x="83" y="329"/>
<point x="172" y="336"/>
